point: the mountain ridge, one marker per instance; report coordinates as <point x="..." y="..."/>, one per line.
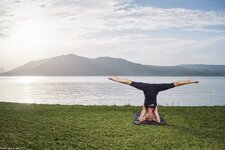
<point x="2" y="69"/>
<point x="74" y="65"/>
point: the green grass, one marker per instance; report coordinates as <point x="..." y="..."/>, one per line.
<point x="32" y="126"/>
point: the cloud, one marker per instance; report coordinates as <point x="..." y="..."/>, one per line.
<point x="2" y="35"/>
<point x="108" y="17"/>
<point x="88" y="16"/>
<point x="118" y="28"/>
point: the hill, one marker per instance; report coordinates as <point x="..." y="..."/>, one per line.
<point x="2" y="69"/>
<point x="73" y="65"/>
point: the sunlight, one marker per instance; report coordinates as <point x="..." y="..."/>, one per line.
<point x="31" y="35"/>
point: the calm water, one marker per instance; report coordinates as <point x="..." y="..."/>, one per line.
<point x="101" y="91"/>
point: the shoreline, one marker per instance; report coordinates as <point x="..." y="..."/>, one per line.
<point x="104" y="105"/>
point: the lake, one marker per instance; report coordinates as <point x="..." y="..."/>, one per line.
<point x="98" y="90"/>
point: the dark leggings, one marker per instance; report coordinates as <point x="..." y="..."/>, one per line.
<point x="151" y="91"/>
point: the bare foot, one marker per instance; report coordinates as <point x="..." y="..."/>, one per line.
<point x="113" y="78"/>
<point x="190" y="81"/>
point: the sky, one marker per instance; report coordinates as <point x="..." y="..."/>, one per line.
<point x="152" y="32"/>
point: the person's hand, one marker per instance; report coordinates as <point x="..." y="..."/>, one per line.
<point x="142" y="119"/>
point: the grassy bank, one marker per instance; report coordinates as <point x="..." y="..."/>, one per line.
<point x="33" y="126"/>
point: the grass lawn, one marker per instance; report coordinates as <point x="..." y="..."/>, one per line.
<point x="32" y="126"/>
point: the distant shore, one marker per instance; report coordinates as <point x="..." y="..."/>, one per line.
<point x="40" y="126"/>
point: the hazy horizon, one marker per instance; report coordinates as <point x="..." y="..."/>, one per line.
<point x="104" y="56"/>
<point x="159" y="33"/>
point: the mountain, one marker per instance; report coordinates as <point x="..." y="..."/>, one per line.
<point x="73" y="65"/>
<point x="218" y="69"/>
<point x="2" y="69"/>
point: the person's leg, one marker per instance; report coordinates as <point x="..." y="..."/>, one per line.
<point x="137" y="85"/>
<point x="120" y="80"/>
<point x="163" y="87"/>
<point x="184" y="82"/>
<point x="166" y="86"/>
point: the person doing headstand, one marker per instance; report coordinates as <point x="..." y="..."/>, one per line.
<point x="150" y="110"/>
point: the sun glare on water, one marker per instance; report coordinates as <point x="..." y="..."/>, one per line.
<point x="29" y="79"/>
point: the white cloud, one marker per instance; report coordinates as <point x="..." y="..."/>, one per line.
<point x="118" y="28"/>
<point x="85" y="16"/>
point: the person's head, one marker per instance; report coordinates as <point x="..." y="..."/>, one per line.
<point x="150" y="116"/>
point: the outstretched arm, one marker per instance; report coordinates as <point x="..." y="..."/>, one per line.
<point x="143" y="114"/>
<point x="157" y="115"/>
<point x="120" y="80"/>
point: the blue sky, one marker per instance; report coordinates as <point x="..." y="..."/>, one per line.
<point x="187" y="4"/>
<point x="153" y="32"/>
